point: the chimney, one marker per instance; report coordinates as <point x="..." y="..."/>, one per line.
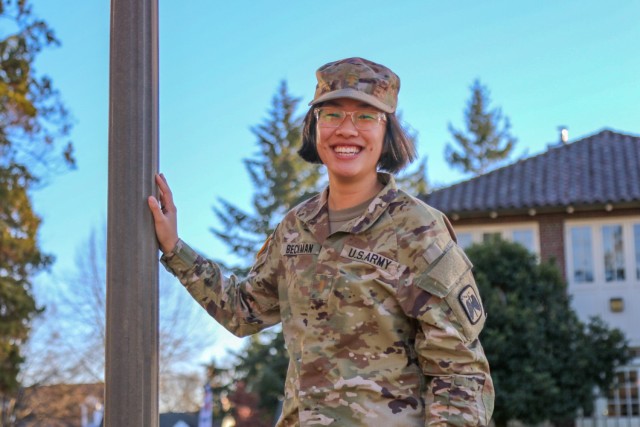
<point x="564" y="134"/>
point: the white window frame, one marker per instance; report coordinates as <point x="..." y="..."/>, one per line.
<point x="597" y="253"/>
<point x="570" y="255"/>
<point x="635" y="250"/>
<point x="505" y="231"/>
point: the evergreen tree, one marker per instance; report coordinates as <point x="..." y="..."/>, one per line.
<point x="263" y="367"/>
<point x="32" y="120"/>
<point x="545" y="362"/>
<point x="487" y="140"/>
<point x="281" y="180"/>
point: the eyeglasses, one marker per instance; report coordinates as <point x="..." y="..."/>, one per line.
<point x="329" y="117"/>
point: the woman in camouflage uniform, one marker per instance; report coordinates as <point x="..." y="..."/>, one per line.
<point x="379" y="309"/>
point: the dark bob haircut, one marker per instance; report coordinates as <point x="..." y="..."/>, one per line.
<point x="398" y="149"/>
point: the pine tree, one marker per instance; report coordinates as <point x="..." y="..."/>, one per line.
<point x="32" y="120"/>
<point x="280" y="178"/>
<point x="487" y="140"/>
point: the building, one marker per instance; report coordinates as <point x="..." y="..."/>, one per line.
<point x="577" y="203"/>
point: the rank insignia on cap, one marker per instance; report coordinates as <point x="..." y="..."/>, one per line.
<point x="471" y="304"/>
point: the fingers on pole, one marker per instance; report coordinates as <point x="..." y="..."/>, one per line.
<point x="166" y="198"/>
<point x="154" y="206"/>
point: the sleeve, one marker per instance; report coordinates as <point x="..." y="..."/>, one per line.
<point x="242" y="306"/>
<point x="443" y="297"/>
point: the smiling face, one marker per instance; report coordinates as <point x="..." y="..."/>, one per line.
<point x="350" y="155"/>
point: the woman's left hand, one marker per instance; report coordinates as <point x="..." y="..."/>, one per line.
<point x="165" y="215"/>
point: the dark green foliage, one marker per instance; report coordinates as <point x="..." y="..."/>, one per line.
<point x="263" y="367"/>
<point x="486" y="142"/>
<point x="544" y="361"/>
<point x="257" y="380"/>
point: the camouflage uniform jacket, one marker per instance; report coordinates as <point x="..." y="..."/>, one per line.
<point x="380" y="318"/>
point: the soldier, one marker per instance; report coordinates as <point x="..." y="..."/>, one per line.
<point x="379" y="309"/>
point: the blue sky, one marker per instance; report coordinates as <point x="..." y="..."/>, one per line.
<point x="546" y="63"/>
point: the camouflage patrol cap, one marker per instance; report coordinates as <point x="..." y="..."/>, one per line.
<point x="359" y="79"/>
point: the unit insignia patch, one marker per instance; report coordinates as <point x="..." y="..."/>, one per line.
<point x="471" y="304"/>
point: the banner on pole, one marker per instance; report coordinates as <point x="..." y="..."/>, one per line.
<point x="205" y="419"/>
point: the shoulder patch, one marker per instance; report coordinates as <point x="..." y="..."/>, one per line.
<point x="264" y="246"/>
<point x="470" y="302"/>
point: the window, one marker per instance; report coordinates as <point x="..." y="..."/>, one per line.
<point x="581" y="248"/>
<point x="613" y="253"/>
<point x="623" y="400"/>
<point x="525" y="238"/>
<point x="603" y="253"/>
<point x="636" y="239"/>
<point x="464" y="240"/>
<point x="524" y="233"/>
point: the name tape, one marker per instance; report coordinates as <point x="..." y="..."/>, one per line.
<point x="301" y="249"/>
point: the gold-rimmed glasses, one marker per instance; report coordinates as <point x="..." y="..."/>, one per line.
<point x="331" y="117"/>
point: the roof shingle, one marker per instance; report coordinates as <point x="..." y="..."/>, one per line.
<point x="601" y="168"/>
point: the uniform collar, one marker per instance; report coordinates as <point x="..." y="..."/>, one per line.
<point x="315" y="212"/>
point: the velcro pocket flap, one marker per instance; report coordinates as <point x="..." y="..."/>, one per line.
<point x="445" y="271"/>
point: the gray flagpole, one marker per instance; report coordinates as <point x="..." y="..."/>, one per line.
<point x="131" y="376"/>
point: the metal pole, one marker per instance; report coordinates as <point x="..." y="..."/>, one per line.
<point x="131" y="391"/>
